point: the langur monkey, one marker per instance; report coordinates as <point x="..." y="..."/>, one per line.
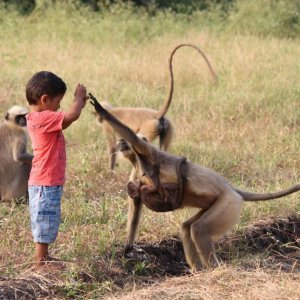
<point x="148" y="122"/>
<point x="164" y="182"/>
<point x="15" y="162"/>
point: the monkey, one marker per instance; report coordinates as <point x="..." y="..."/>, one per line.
<point x="149" y="122"/>
<point x="15" y="161"/>
<point x="219" y="204"/>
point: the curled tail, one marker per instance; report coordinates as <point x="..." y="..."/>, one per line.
<point x="163" y="110"/>
<point x="248" y="196"/>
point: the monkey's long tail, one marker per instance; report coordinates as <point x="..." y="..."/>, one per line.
<point x="167" y="103"/>
<point x="248" y="196"/>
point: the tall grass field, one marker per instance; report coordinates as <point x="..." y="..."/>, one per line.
<point x="246" y="127"/>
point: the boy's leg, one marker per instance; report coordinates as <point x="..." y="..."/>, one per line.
<point x="41" y="253"/>
<point x="45" y="219"/>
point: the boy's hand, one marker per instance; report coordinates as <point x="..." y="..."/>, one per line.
<point x="80" y="94"/>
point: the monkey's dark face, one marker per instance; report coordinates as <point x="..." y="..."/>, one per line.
<point x="127" y="150"/>
<point x="123" y="146"/>
<point x="19" y="120"/>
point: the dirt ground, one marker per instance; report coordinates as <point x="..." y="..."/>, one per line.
<point x="273" y="244"/>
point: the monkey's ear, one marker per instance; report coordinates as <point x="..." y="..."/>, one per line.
<point x="6" y="116"/>
<point x="142" y="137"/>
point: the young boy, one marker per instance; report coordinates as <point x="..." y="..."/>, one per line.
<point x="45" y="123"/>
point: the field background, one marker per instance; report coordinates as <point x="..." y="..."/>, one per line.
<point x="247" y="127"/>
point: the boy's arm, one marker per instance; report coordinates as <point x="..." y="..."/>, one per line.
<point x="78" y="104"/>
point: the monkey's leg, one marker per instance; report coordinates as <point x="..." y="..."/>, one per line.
<point x="213" y="224"/>
<point x="133" y="221"/>
<point x="112" y="151"/>
<point x="113" y="158"/>
<point x="133" y="217"/>
<point x="190" y="251"/>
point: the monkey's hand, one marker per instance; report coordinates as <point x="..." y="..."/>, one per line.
<point x="99" y="109"/>
<point x="133" y="190"/>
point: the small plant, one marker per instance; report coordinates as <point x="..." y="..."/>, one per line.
<point x="140" y="268"/>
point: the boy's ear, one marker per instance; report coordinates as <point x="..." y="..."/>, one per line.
<point x="44" y="99"/>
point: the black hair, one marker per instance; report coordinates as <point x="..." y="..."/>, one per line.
<point x="44" y="83"/>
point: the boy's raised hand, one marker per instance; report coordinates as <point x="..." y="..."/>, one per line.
<point x="80" y="94"/>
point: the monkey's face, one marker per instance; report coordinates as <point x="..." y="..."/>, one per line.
<point x="17" y="115"/>
<point x="127" y="151"/>
<point x="21" y="120"/>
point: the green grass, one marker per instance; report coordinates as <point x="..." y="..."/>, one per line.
<point x="246" y="127"/>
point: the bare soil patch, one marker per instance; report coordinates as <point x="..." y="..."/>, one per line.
<point x="33" y="286"/>
<point x="276" y="243"/>
<point x="276" y="240"/>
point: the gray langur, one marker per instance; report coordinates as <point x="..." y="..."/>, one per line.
<point x="148" y="122"/>
<point x="165" y="182"/>
<point x="15" y="161"/>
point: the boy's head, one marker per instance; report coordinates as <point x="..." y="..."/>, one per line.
<point x="44" y="84"/>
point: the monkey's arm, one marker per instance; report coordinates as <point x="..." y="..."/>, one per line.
<point x="20" y="154"/>
<point x="134" y="214"/>
<point x="125" y="132"/>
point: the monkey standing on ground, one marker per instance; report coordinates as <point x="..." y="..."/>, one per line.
<point x="219" y="202"/>
<point x="15" y="162"/>
<point x="148" y="122"/>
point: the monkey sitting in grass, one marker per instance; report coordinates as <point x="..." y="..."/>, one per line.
<point x="165" y="182"/>
<point x="15" y="161"/>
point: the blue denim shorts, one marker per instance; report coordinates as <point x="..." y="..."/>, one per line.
<point x="45" y="212"/>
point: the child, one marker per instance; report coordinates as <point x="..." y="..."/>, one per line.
<point x="45" y="123"/>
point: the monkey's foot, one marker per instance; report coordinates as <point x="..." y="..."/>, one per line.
<point x="196" y="267"/>
<point x="127" y="250"/>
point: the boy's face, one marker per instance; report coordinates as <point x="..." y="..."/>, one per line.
<point x="53" y="103"/>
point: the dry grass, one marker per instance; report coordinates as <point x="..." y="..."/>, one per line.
<point x="223" y="283"/>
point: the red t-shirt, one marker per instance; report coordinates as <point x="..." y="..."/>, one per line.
<point x="48" y="143"/>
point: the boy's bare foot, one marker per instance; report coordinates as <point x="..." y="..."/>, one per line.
<point x="49" y="264"/>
